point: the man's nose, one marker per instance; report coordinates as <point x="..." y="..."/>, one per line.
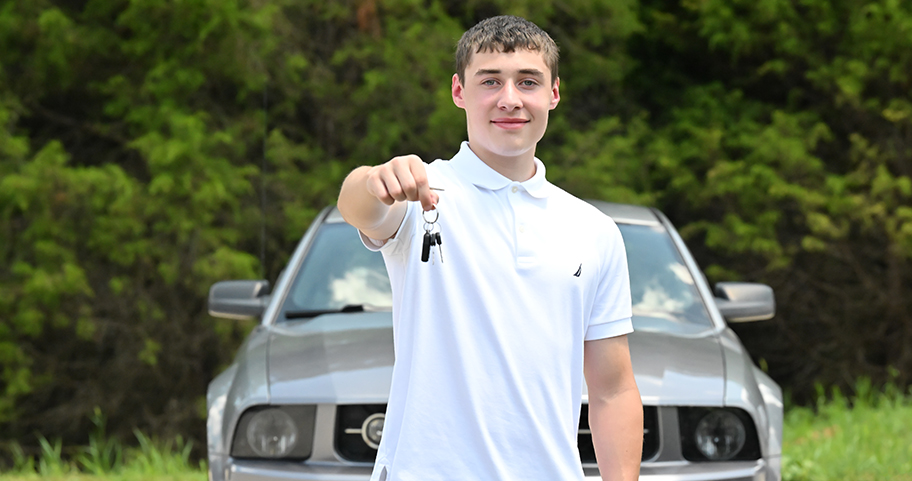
<point x="510" y="98"/>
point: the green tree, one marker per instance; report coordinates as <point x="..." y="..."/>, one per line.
<point x="784" y="149"/>
<point x="122" y="199"/>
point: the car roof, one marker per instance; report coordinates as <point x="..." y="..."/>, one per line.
<point x="621" y="213"/>
<point x="626" y="213"/>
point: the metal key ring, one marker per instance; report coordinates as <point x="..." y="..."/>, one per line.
<point x="436" y="216"/>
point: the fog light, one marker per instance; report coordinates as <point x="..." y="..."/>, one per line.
<point x="720" y="435"/>
<point x="372" y="429"/>
<point x="272" y="433"/>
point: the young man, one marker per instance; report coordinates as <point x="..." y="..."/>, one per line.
<point x="527" y="293"/>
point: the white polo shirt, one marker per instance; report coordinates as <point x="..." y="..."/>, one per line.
<point x="488" y="376"/>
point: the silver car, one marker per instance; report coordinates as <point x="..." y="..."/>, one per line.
<point x="305" y="396"/>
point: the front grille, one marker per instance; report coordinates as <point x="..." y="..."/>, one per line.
<point x="349" y="441"/>
<point x="650" y="435"/>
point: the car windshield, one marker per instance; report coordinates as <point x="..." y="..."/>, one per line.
<point x="662" y="288"/>
<point x="339" y="273"/>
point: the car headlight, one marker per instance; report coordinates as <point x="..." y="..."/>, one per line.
<point x="272" y="433"/>
<point x="275" y="432"/>
<point x="720" y="435"/>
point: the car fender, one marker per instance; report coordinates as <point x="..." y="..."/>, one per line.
<point x="216" y="396"/>
<point x="742" y="391"/>
<point x="242" y="385"/>
<point x="772" y="397"/>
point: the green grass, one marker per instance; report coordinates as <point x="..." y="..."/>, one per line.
<point x="190" y="476"/>
<point x="105" y="459"/>
<point x="866" y="438"/>
<point x="152" y="460"/>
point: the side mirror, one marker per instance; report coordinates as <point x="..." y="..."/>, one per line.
<point x="745" y="301"/>
<point x="238" y="299"/>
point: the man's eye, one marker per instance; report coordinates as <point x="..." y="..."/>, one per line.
<point x="489" y="82"/>
<point x="528" y="83"/>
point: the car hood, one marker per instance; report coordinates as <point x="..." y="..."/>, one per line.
<point x="677" y="366"/>
<point x="348" y="358"/>
<point x="333" y="358"/>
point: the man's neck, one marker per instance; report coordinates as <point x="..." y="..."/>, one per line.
<point x="519" y="169"/>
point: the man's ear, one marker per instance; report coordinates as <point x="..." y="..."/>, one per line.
<point x="458" y="91"/>
<point x="555" y="93"/>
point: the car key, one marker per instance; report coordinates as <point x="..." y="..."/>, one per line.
<point x="426" y="247"/>
<point x="439" y="242"/>
<point x="431" y="240"/>
<point x="433" y="248"/>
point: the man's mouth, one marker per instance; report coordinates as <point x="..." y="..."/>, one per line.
<point x="510" y="123"/>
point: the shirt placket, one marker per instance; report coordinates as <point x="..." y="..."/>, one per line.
<point x="522" y="223"/>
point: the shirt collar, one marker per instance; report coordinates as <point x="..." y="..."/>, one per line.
<point x="468" y="165"/>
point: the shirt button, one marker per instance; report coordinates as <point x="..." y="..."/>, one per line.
<point x="522" y="229"/>
<point x="515" y="189"/>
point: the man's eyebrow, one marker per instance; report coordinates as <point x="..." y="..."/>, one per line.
<point x="532" y="71"/>
<point x="525" y="71"/>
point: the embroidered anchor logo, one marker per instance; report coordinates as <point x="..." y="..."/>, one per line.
<point x="578" y="271"/>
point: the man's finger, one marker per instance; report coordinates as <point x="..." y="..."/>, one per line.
<point x="423" y="194"/>
<point x="377" y="188"/>
<point x="393" y="184"/>
<point x="406" y="181"/>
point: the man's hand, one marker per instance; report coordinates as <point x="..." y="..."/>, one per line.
<point x="372" y="198"/>
<point x="402" y="178"/>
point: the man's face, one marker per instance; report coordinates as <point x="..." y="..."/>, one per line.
<point x="507" y="97"/>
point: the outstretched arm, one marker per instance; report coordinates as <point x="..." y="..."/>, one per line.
<point x="372" y="198"/>
<point x="615" y="409"/>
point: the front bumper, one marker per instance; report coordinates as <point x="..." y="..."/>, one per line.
<point x="223" y="468"/>
<point x="759" y="470"/>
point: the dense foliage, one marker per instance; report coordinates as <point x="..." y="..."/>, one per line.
<point x="148" y="149"/>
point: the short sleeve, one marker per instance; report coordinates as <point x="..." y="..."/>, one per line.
<point x="611" y="312"/>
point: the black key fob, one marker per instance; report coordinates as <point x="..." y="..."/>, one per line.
<point x="426" y="247"/>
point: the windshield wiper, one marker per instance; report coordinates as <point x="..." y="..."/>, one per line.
<point x="310" y="313"/>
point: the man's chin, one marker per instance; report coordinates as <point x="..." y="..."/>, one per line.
<point x="506" y="148"/>
<point x="504" y="152"/>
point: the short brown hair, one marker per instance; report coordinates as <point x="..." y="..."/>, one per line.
<point x="505" y="33"/>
